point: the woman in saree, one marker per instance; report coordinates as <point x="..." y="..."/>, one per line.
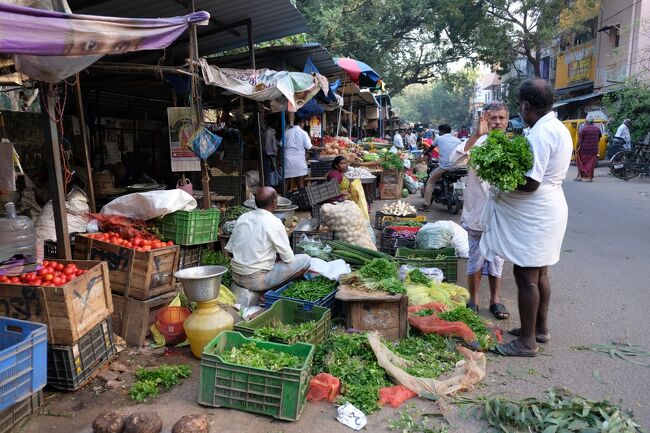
<point x="350" y="190"/>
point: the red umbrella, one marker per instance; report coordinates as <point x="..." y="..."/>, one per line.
<point x="360" y="73"/>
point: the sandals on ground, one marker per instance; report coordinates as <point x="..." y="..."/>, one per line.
<point x="540" y="338"/>
<point x="500" y="311"/>
<point x="515" y="348"/>
<point x="472" y="306"/>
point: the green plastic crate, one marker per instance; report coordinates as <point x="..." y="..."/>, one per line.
<point x="191" y="227"/>
<point x="290" y="312"/>
<point x="280" y="394"/>
<point x="427" y="258"/>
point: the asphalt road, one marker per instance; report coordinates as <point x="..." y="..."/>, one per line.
<point x="600" y="294"/>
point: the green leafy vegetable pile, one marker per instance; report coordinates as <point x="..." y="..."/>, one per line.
<point x="419" y="277"/>
<point x="284" y="332"/>
<point x="429" y="355"/>
<point x="391" y="161"/>
<point x="502" y="162"/>
<point x="234" y="212"/>
<point x="350" y="358"/>
<point x="251" y="355"/>
<point x="562" y="411"/>
<point x="148" y="380"/>
<point x="212" y="258"/>
<point x="471" y="319"/>
<point x="310" y="290"/>
<point x="377" y="275"/>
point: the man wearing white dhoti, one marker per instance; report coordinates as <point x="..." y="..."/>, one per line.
<point x="527" y="226"/>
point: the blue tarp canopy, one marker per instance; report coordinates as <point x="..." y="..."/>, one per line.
<point x="315" y="105"/>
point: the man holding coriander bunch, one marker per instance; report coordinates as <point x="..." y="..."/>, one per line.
<point x="494" y="117"/>
<point x="527" y="226"/>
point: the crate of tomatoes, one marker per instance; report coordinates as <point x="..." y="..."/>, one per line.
<point x="140" y="267"/>
<point x="70" y="296"/>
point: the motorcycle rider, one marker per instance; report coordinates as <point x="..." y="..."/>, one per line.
<point x="446" y="143"/>
<point x="494" y="116"/>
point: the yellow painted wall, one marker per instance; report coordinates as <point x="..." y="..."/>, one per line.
<point x="576" y="65"/>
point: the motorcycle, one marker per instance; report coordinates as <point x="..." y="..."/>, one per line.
<point x="449" y="189"/>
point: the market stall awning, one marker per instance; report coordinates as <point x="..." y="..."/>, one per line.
<point x="360" y="73"/>
<point x="580" y="98"/>
<point x="353" y="94"/>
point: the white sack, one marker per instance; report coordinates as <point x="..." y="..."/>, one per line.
<point x="151" y="204"/>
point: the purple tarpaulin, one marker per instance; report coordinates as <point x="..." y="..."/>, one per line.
<point x="39" y="32"/>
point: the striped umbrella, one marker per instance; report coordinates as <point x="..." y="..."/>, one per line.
<point x="360" y="73"/>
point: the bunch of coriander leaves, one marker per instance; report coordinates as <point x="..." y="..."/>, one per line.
<point x="502" y="162"/>
<point x="428" y="355"/>
<point x="473" y="321"/>
<point x="376" y="275"/>
<point x="286" y="333"/>
<point x="350" y="358"/>
<point x="561" y="411"/>
<point x="252" y="355"/>
<point x="148" y="380"/>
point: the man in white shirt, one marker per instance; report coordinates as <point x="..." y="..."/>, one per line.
<point x="623" y="132"/>
<point x="257" y="240"/>
<point x="446" y="144"/>
<point x="494" y="116"/>
<point x="411" y="139"/>
<point x="296" y="142"/>
<point x="527" y="226"/>
<point x="398" y="139"/>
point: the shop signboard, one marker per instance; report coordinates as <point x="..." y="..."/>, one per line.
<point x="180" y="131"/>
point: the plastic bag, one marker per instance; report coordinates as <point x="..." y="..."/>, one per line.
<point x="468" y="372"/>
<point x="410" y="184"/>
<point x="433" y="236"/>
<point x="460" y="241"/>
<point x="323" y="386"/>
<point x="204" y="143"/>
<point x="330" y="270"/>
<point x="434" y="273"/>
<point x="395" y="395"/>
<point x="313" y="247"/>
<point x="151" y="204"/>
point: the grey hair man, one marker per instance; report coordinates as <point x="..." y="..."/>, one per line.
<point x="494" y="116"/>
<point x="623" y="132"/>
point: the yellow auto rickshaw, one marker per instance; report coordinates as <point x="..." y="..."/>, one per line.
<point x="574" y="125"/>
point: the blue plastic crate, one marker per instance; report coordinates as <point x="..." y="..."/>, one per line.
<point x="275" y="295"/>
<point x="23" y="360"/>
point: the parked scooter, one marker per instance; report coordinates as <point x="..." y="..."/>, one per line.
<point x="449" y="189"/>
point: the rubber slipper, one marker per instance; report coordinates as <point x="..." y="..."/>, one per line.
<point x="514" y="348"/>
<point x="472" y="306"/>
<point x="540" y="338"/>
<point x="424" y="208"/>
<point x="500" y="311"/>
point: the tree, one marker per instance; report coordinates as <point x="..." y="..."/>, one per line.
<point x="443" y="101"/>
<point x="632" y="102"/>
<point x="405" y="41"/>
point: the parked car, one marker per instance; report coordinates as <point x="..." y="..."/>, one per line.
<point x="574" y="126"/>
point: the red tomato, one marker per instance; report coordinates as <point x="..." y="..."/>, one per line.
<point x="59" y="267"/>
<point x="14" y="280"/>
<point x="170" y="243"/>
<point x="78" y="272"/>
<point x="4" y="279"/>
<point x="48" y="277"/>
<point x="57" y="281"/>
<point x="68" y="271"/>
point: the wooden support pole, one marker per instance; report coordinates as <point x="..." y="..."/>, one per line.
<point x="251" y="60"/>
<point x="85" y="142"/>
<point x="53" y="157"/>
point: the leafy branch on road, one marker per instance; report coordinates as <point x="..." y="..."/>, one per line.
<point x="407" y="423"/>
<point x="562" y="411"/>
<point x="625" y="351"/>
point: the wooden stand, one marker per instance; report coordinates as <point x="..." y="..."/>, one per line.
<point x="380" y="312"/>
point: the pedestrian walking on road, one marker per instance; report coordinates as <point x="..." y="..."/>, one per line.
<point x="494" y="116"/>
<point x="587" y="150"/>
<point x="527" y="226"/>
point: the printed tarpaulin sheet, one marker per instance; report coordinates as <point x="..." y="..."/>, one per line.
<point x="71" y="42"/>
<point x="267" y="84"/>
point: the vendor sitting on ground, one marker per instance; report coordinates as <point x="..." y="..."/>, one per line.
<point x="257" y="242"/>
<point x="339" y="168"/>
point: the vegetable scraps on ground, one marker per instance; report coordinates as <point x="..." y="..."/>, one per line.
<point x="310" y="290"/>
<point x="562" y="411"/>
<point x="287" y="333"/>
<point x="502" y="162"/>
<point x="251" y="355"/>
<point x="377" y="275"/>
<point x="148" y="380"/>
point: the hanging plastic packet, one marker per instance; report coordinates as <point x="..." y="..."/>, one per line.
<point x="204" y="143"/>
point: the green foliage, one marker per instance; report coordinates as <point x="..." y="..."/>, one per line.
<point x="212" y="258"/>
<point x="234" y="212"/>
<point x="471" y="319"/>
<point x="350" y="358"/>
<point x="502" y="162"/>
<point x="391" y="161"/>
<point x="310" y="290"/>
<point x="251" y="355"/>
<point x="419" y="277"/>
<point x="632" y="102"/>
<point x="289" y="333"/>
<point x="148" y="380"/>
<point x="560" y="412"/>
<point x="407" y="423"/>
<point x="429" y="355"/>
<point x="381" y="274"/>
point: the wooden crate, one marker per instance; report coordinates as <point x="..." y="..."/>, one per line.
<point x="382" y="312"/>
<point x="69" y="311"/>
<point x="390" y="191"/>
<point x="134" y="274"/>
<point x="133" y="318"/>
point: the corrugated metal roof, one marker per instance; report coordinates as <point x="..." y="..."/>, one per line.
<point x="294" y="57"/>
<point x="271" y="19"/>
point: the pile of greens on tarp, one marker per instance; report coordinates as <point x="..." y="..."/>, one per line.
<point x="502" y="162"/>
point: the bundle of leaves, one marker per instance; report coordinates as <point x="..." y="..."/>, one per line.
<point x="502" y="162"/>
<point x="350" y="358"/>
<point x="251" y="355"/>
<point x="419" y="277"/>
<point x="285" y="332"/>
<point x="379" y="275"/>
<point x="148" y="380"/>
<point x="391" y="161"/>
<point x="212" y="258"/>
<point x="561" y="411"/>
<point x="428" y="355"/>
<point x="471" y="319"/>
